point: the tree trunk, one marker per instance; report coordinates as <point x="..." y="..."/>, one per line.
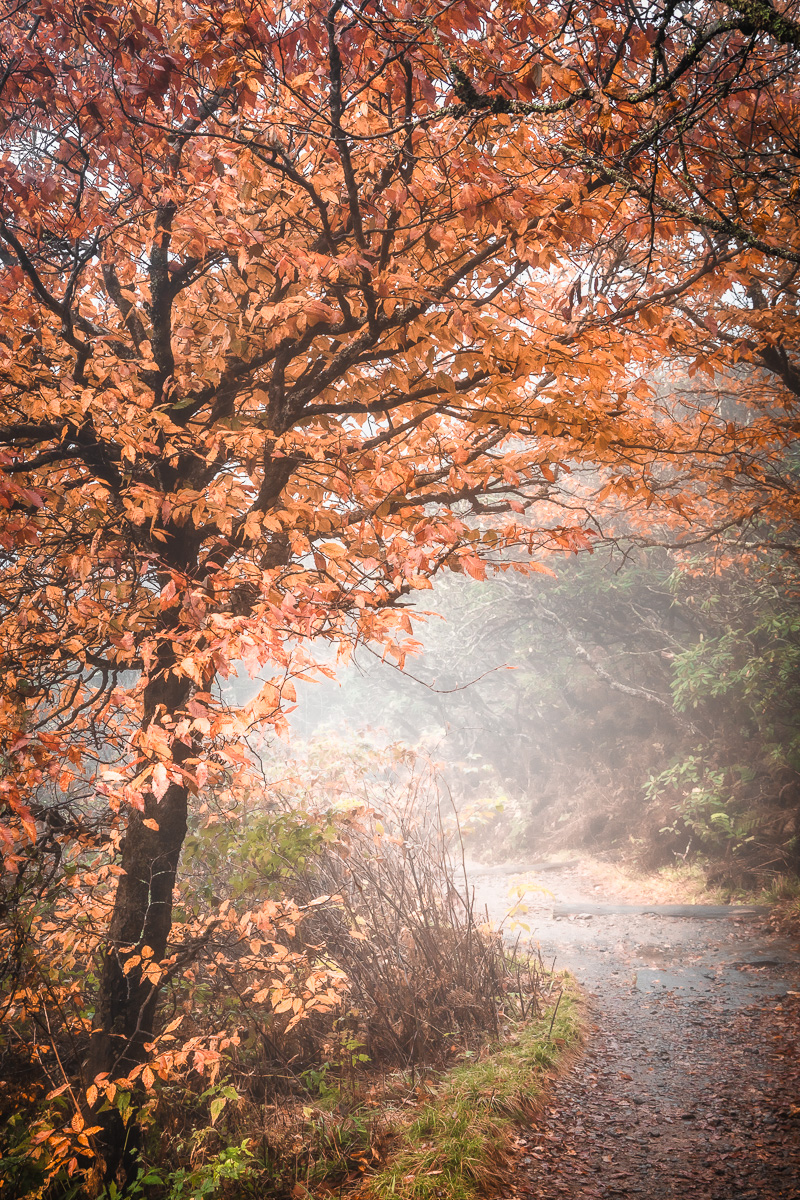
<point x="126" y="1004"/>
<point x="142" y="917"/>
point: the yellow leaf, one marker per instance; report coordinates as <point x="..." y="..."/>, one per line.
<point x="333" y="549"/>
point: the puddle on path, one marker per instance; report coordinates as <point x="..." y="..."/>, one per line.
<point x="693" y="952"/>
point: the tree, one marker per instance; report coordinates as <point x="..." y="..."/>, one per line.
<point x="305" y="304"/>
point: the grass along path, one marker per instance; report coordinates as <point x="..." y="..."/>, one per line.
<point x="459" y="1144"/>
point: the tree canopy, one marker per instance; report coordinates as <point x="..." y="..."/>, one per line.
<point x="306" y="303"/>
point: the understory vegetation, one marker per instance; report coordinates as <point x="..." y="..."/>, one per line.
<point x="339" y="968"/>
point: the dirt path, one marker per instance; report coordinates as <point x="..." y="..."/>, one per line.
<point x="689" y="1086"/>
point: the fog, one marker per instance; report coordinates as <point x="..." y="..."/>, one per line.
<point x="513" y="698"/>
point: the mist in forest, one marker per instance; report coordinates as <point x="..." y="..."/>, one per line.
<point x="643" y="704"/>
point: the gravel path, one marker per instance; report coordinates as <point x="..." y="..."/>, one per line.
<point x="689" y="1084"/>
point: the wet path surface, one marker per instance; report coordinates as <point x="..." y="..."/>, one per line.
<point x="689" y="1084"/>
